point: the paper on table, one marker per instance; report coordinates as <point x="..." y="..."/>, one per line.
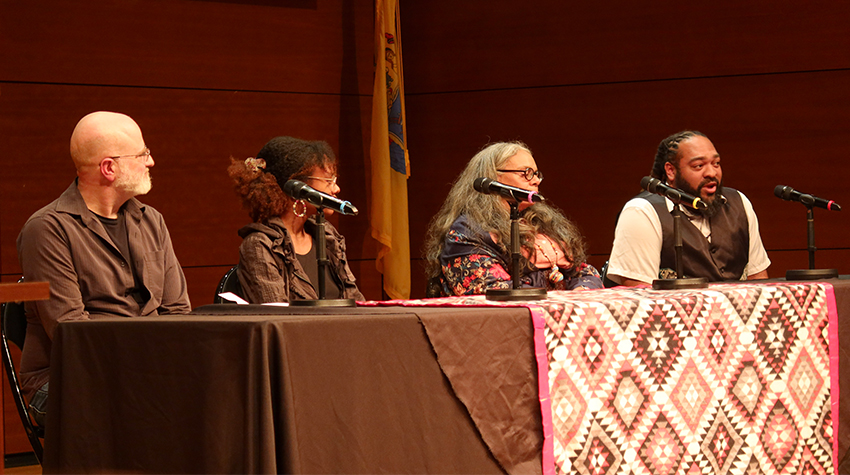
<point x="230" y="296"/>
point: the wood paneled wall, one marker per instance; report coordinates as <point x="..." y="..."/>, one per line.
<point x="205" y="80"/>
<point x="592" y="87"/>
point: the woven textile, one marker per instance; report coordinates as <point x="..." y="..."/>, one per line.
<point x="734" y="379"/>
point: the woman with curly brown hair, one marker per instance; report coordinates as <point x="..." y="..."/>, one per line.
<point x="277" y="258"/>
<point x="466" y="245"/>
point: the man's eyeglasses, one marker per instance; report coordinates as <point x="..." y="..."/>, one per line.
<point x="529" y="173"/>
<point x="145" y="155"/>
<point x="330" y="181"/>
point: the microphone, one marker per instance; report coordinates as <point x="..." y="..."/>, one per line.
<point x="790" y="194"/>
<point x="301" y="191"/>
<point x="654" y="185"/>
<point x="488" y="187"/>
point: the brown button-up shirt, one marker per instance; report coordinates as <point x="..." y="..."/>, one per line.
<point x="65" y="244"/>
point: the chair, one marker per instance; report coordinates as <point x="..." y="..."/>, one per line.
<point x="228" y="283"/>
<point x="14" y="329"/>
<point x="606" y="282"/>
<point x="433" y="287"/>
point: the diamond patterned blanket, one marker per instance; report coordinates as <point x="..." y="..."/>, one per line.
<point x="734" y="379"/>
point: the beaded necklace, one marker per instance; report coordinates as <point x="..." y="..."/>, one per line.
<point x="555" y="276"/>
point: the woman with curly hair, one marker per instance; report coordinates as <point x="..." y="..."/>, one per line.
<point x="467" y="245"/>
<point x="277" y="258"/>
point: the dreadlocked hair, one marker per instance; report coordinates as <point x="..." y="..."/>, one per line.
<point x="668" y="151"/>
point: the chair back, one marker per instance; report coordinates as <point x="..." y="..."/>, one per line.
<point x="606" y="282"/>
<point x="433" y="288"/>
<point x="228" y="283"/>
<point x="13" y="322"/>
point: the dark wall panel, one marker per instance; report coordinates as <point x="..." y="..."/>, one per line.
<point x="595" y="142"/>
<point x="205" y="80"/>
<point x="784" y="260"/>
<point x="203" y="282"/>
<point x="192" y="135"/>
<point x="288" y="45"/>
<point x="369" y="280"/>
<point x="481" y="44"/>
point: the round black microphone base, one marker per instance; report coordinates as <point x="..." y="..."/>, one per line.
<point x="324" y="303"/>
<point x="811" y="274"/>
<point x="676" y="284"/>
<point x="502" y="295"/>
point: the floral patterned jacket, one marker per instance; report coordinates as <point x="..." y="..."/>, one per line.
<point x="472" y="262"/>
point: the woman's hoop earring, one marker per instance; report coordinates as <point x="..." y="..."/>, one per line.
<point x="303" y="208"/>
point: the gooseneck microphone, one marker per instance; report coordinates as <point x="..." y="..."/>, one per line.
<point x="654" y="185"/>
<point x="301" y="191"/>
<point x="790" y="194"/>
<point x="489" y="187"/>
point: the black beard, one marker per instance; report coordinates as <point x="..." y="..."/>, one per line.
<point x="714" y="205"/>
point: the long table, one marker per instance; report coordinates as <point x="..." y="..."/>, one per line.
<point x="277" y="391"/>
<point x="296" y="390"/>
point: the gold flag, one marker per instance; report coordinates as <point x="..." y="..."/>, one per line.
<point x="390" y="163"/>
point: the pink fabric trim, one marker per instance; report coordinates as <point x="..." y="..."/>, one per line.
<point x="833" y="369"/>
<point x="435" y="302"/>
<point x="542" y="355"/>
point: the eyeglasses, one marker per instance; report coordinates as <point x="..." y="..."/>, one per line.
<point x="330" y="181"/>
<point x="529" y="173"/>
<point x="145" y="155"/>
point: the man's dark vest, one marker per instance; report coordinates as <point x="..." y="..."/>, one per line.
<point x="725" y="257"/>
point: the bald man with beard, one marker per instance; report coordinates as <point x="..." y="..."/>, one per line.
<point x="104" y="253"/>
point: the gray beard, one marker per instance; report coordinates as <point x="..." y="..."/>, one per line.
<point x="139" y="185"/>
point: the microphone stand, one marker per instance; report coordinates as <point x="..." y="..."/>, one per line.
<point x="810" y="231"/>
<point x="811" y="273"/>
<point x="322" y="261"/>
<point x="515" y="293"/>
<point x="680" y="282"/>
<point x="515" y="248"/>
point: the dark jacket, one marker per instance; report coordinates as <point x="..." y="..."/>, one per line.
<point x="269" y="270"/>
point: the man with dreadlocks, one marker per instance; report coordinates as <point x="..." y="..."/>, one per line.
<point x="721" y="242"/>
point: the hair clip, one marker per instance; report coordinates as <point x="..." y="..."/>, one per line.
<point x="255" y="164"/>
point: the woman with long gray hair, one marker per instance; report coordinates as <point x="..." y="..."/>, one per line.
<point x="467" y="245"/>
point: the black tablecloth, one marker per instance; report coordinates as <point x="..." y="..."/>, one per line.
<point x="333" y="391"/>
<point x="263" y="390"/>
